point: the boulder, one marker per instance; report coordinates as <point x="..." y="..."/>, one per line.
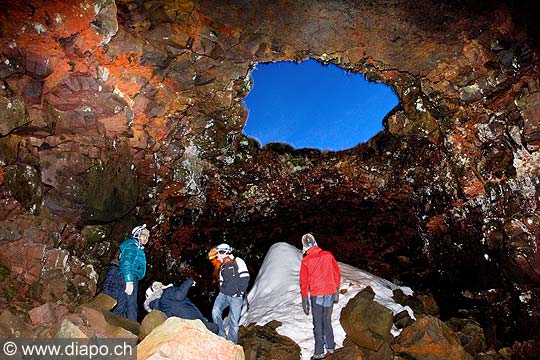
<point x="347" y="353"/>
<point x="13" y="326"/>
<point x="504" y="353"/>
<point x="177" y="339"/>
<point x="13" y="114"/>
<point x="102" y="301"/>
<point x="264" y="343"/>
<point x="151" y="321"/>
<point x="419" y="302"/>
<point x="525" y="350"/>
<point x="402" y="319"/>
<point x="69" y="330"/>
<point x="86" y="189"/>
<point x="385" y="352"/>
<point x="24" y="182"/>
<point x="365" y="321"/>
<point x="66" y="277"/>
<point x="47" y="314"/>
<point x="470" y="334"/>
<point x="429" y="338"/>
<point x="104" y="324"/>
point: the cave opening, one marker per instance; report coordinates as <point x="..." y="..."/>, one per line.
<point x="314" y="105"/>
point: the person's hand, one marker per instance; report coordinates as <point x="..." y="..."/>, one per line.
<point x="305" y="305"/>
<point x="336" y="297"/>
<point x="129" y="288"/>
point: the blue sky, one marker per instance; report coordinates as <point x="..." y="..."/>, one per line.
<point x="313" y="105"/>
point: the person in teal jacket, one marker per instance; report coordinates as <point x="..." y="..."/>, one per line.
<point x="122" y="281"/>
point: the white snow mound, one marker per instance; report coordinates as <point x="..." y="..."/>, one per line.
<point x="275" y="295"/>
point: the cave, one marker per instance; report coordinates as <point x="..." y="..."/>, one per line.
<point x="118" y="113"/>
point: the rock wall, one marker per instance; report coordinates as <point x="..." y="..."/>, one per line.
<point x="117" y="113"/>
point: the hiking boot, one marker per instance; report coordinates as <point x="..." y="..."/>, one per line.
<point x="315" y="357"/>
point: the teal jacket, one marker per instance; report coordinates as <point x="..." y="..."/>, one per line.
<point x="132" y="259"/>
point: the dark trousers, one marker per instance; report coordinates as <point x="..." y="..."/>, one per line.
<point x="211" y="326"/>
<point x="115" y="286"/>
<point x="131" y="300"/>
<point x="322" y="327"/>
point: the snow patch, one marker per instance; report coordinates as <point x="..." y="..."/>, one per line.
<point x="275" y="295"/>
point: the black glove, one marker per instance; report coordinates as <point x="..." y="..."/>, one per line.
<point x="336" y="297"/>
<point x="305" y="305"/>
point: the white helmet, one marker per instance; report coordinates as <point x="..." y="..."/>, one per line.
<point x="308" y="241"/>
<point x="224" y="249"/>
<point x="137" y="230"/>
<point x="156" y="285"/>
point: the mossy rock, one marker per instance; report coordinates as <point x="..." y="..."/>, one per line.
<point x="111" y="191"/>
<point x="308" y="152"/>
<point x="248" y="144"/>
<point x="13" y="114"/>
<point x="24" y="182"/>
<point x="366" y="322"/>
<point x="93" y="234"/>
<point x="279" y="147"/>
<point x="9" y="148"/>
<point x="104" y="193"/>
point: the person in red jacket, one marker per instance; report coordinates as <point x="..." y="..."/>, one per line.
<point x="319" y="277"/>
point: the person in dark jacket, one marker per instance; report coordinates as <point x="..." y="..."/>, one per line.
<point x="122" y="279"/>
<point x="233" y="283"/>
<point x="319" y="278"/>
<point x="173" y="301"/>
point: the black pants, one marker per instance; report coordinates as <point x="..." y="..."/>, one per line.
<point x="115" y="286"/>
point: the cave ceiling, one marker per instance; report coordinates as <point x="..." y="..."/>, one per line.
<point x="115" y="113"/>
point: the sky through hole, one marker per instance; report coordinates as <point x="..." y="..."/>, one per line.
<point x="312" y="105"/>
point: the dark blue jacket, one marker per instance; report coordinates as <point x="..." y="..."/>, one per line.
<point x="174" y="302"/>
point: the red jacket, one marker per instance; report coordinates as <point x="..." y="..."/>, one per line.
<point x="319" y="273"/>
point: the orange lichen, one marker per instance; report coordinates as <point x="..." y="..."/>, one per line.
<point x="475" y="188"/>
<point x="223" y="29"/>
<point x="128" y="88"/>
<point x="173" y="189"/>
<point x="437" y="225"/>
<point x="66" y="18"/>
<point x="87" y="40"/>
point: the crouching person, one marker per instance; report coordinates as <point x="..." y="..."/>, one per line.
<point x="173" y="301"/>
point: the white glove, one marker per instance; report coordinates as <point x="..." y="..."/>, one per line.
<point x="129" y="288"/>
